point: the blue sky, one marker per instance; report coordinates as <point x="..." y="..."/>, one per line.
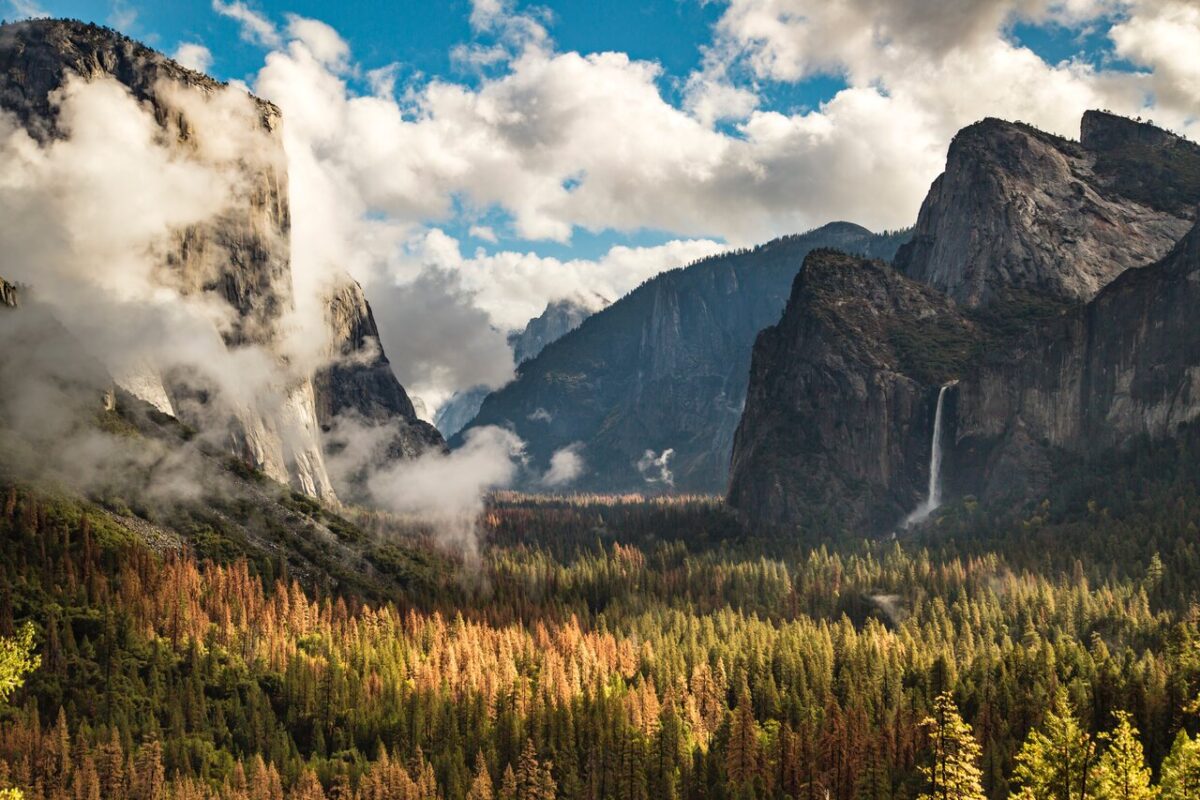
<point x="526" y="152"/>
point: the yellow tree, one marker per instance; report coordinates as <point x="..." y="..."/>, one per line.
<point x="1123" y="772"/>
<point x="954" y="772"/>
<point x="16" y="661"/>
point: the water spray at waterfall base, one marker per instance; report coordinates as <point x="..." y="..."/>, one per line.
<point x="934" y="497"/>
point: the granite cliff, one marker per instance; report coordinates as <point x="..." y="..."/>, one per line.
<point x="240" y="258"/>
<point x="1018" y="208"/>
<point x="1044" y="285"/>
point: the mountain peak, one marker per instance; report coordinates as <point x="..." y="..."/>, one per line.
<point x="1021" y="209"/>
<point x="1103" y="130"/>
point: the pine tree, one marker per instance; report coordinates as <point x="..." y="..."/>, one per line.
<point x="954" y="773"/>
<point x="1058" y="762"/>
<point x="481" y="784"/>
<point x="1123" y="774"/>
<point x="743" y="753"/>
<point x="1181" y="769"/>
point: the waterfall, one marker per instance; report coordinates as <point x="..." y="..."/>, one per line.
<point x="934" y="497"/>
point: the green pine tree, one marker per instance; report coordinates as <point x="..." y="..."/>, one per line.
<point x="954" y="772"/>
<point x="1181" y="769"/>
<point x="1057" y="762"/>
<point x="1123" y="774"/>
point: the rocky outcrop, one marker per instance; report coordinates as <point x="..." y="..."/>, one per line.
<point x="662" y="369"/>
<point x="240" y="257"/>
<point x="8" y="294"/>
<point x="839" y="411"/>
<point x="557" y="320"/>
<point x="836" y="434"/>
<point x="1018" y="208"/>
<point x="359" y="380"/>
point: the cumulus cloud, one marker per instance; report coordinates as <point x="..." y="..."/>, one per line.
<point x="193" y="56"/>
<point x="255" y="26"/>
<point x="566" y="464"/>
<point x="542" y="143"/>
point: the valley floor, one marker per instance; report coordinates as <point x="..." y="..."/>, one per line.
<point x="598" y="648"/>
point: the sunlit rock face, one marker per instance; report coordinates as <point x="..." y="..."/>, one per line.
<point x="1018" y="208"/>
<point x="235" y="264"/>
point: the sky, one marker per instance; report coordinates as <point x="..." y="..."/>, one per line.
<point x="469" y="161"/>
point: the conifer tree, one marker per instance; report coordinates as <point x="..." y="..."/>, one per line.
<point x="1057" y="762"/>
<point x="1123" y="774"/>
<point x="481" y="783"/>
<point x="1181" y="769"/>
<point x="954" y="772"/>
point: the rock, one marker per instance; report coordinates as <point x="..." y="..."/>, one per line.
<point x="663" y="368"/>
<point x="359" y="380"/>
<point x="836" y="434"/>
<point x="557" y="320"/>
<point x="242" y="257"/>
<point x="839" y="412"/>
<point x="1021" y="209"/>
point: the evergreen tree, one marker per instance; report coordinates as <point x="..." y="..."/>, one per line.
<point x="954" y="772"/>
<point x="1180" y="778"/>
<point x="481" y="784"/>
<point x="1058" y="761"/>
<point x="1123" y="774"/>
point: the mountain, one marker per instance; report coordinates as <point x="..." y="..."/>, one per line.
<point x="651" y="388"/>
<point x="838" y="427"/>
<point x="556" y="321"/>
<point x="239" y="260"/>
<point x="559" y="318"/>
<point x="1018" y="208"/>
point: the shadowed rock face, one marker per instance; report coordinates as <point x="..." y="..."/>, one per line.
<point x="241" y="256"/>
<point x="1017" y="208"/>
<point x="663" y="368"/>
<point x="360" y="381"/>
<point x="838" y="415"/>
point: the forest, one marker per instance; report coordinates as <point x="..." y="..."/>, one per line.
<point x="619" y="647"/>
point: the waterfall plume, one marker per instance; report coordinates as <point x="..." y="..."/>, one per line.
<point x="933" y="498"/>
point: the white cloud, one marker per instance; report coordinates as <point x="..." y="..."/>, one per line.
<point x="256" y="28"/>
<point x="193" y="56"/>
<point x="558" y="141"/>
<point x="566" y="464"/>
<point x="1164" y="36"/>
<point x="27" y="9"/>
<point x="656" y="467"/>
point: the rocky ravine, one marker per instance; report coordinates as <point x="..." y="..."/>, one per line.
<point x="241" y="257"/>
<point x="838" y="423"/>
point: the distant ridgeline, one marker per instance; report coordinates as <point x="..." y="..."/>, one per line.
<point x="652" y="387"/>
<point x="1049" y="284"/>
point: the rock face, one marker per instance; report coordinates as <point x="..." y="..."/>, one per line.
<point x="838" y="415"/>
<point x="241" y="257"/>
<point x="658" y="378"/>
<point x="359" y="380"/>
<point x="1017" y="208"/>
<point x="560" y="318"/>
<point x="837" y="430"/>
<point x="8" y="294"/>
